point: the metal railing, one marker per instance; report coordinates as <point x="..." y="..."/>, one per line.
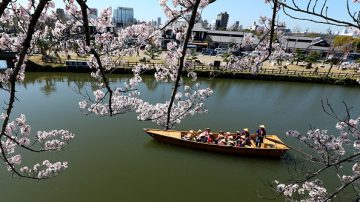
<point x="264" y="71"/>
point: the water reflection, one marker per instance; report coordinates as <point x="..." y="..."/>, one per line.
<point x="47" y="81"/>
<point x="49" y="87"/>
<point x="150" y="82"/>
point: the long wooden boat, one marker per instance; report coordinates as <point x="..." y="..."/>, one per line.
<point x="272" y="147"/>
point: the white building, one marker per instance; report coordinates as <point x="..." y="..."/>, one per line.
<point x="348" y="32"/>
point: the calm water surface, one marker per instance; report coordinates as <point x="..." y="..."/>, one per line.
<point x="111" y="159"/>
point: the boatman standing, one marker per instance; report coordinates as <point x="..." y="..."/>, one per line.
<point x="260" y="135"/>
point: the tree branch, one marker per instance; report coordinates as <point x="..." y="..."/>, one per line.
<point x="182" y="59"/>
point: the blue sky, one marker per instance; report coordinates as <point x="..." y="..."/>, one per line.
<point x="245" y="11"/>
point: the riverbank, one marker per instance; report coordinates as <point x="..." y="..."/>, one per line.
<point x="206" y="71"/>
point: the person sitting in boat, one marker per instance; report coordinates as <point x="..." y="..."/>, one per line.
<point x="189" y="136"/>
<point x="205" y="135"/>
<point x="219" y="137"/>
<point x="237" y="136"/>
<point x="229" y="139"/>
<point x="210" y="138"/>
<point x="221" y="134"/>
<point x="230" y="142"/>
<point x="240" y="142"/>
<point x="201" y="138"/>
<point x="260" y="135"/>
<point x="245" y="133"/>
<point x="198" y="136"/>
<point x="222" y="142"/>
<point x="198" y="133"/>
<point x="228" y="136"/>
<point x="207" y="131"/>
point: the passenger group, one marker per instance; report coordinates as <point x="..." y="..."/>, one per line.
<point x="237" y="139"/>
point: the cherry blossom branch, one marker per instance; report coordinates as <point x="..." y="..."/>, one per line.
<point x="84" y="8"/>
<point x="333" y="153"/>
<point x="3" y="6"/>
<point x="8" y="132"/>
<point x="351" y="182"/>
<point x="13" y="78"/>
<point x="272" y="28"/>
<point x="182" y="59"/>
<point x="22" y="54"/>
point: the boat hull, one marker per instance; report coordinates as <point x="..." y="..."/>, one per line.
<point x="242" y="151"/>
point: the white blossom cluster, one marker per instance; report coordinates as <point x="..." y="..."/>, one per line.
<point x="118" y="100"/>
<point x="331" y="150"/>
<point x="308" y="191"/>
<point x="255" y="59"/>
<point x="55" y="139"/>
<point x="125" y="99"/>
<point x="120" y="103"/>
<point x="17" y="133"/>
<point x="186" y="104"/>
<point x="179" y="7"/>
<point x="23" y="15"/>
<point x="45" y="169"/>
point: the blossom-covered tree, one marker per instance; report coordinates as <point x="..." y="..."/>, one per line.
<point x="105" y="51"/>
<point x="16" y="132"/>
<point x="335" y="154"/>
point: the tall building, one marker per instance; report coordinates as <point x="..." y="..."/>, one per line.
<point x="254" y="26"/>
<point x="205" y="24"/>
<point x="235" y="26"/>
<point x="123" y="16"/>
<point x="153" y="23"/>
<point x="222" y="21"/>
<point x="213" y="25"/>
<point x="158" y="22"/>
<point x="93" y="14"/>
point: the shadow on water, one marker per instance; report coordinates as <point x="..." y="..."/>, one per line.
<point x="197" y="153"/>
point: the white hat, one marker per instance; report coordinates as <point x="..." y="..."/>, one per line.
<point x="191" y="131"/>
<point x="199" y="131"/>
<point x="247" y="130"/>
<point x="262" y="126"/>
<point x="228" y="133"/>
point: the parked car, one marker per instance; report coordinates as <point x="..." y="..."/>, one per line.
<point x="210" y="52"/>
<point x="220" y="51"/>
<point x="352" y="57"/>
<point x="255" y="53"/>
<point x="237" y="52"/>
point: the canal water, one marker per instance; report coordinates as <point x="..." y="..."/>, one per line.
<point x="111" y="159"/>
